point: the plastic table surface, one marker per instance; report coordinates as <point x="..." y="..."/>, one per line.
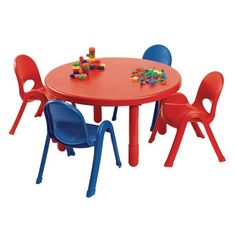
<point x="113" y="87"/>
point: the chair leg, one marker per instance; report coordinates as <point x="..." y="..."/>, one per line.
<point x="214" y="143"/>
<point x="95" y="169"/>
<point x="43" y="161"/>
<point x="70" y="151"/>
<point x="114" y="113"/>
<point x="19" y="115"/>
<point x="105" y="126"/>
<point x="41" y="107"/>
<point x="115" y="148"/>
<point x="197" y="130"/>
<point x="160" y="127"/>
<point x="155" y="114"/>
<point x="175" y="146"/>
<point x="39" y="111"/>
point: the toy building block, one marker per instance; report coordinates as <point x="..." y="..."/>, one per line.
<point x="135" y="78"/>
<point x="163" y="74"/>
<point x="92" y="66"/>
<point x="85" y="68"/>
<point x="82" y="60"/>
<point x="76" y="67"/>
<point x="80" y="76"/>
<point x="101" y="67"/>
<point x="91" y="55"/>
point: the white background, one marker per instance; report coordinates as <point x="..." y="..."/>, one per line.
<point x="195" y="197"/>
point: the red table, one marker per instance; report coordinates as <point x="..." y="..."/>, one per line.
<point x="113" y="87"/>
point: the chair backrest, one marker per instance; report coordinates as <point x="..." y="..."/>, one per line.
<point x="158" y="53"/>
<point x="65" y="123"/>
<point x="26" y="69"/>
<point x="210" y="88"/>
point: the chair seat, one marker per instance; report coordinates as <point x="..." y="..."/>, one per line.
<point x="35" y="94"/>
<point x="92" y="132"/>
<point x="47" y="94"/>
<point x="72" y="136"/>
<point x="176" y="107"/>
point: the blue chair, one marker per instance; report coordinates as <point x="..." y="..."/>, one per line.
<point x="66" y="124"/>
<point x="160" y="54"/>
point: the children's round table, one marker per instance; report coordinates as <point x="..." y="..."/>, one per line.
<point x="113" y="87"/>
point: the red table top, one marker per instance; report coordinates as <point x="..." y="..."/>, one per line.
<point x="112" y="86"/>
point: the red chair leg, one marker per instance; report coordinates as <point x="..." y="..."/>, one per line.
<point x="40" y="110"/>
<point x="214" y="143"/>
<point x="41" y="106"/>
<point x="19" y="115"/>
<point x="153" y="134"/>
<point x="197" y="130"/>
<point x="175" y="146"/>
<point x="160" y="127"/>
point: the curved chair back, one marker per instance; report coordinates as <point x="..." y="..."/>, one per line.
<point x="26" y="69"/>
<point x="158" y="53"/>
<point x="66" y="123"/>
<point x="210" y="88"/>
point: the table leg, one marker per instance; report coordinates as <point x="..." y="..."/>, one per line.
<point x="97" y="113"/>
<point x="133" y="135"/>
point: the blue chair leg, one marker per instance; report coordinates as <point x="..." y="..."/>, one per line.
<point x="95" y="169"/>
<point x="114" y="113"/>
<point x="155" y="114"/>
<point x="43" y="161"/>
<point x="105" y="126"/>
<point x="70" y="151"/>
<point x="115" y="148"/>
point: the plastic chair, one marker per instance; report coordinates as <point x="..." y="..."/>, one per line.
<point x="66" y="124"/>
<point x="26" y="69"/>
<point x="158" y="53"/>
<point x="177" y="112"/>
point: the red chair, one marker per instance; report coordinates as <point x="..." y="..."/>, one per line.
<point x="26" y="69"/>
<point x="177" y="112"/>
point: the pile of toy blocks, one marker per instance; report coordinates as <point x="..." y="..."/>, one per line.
<point x="81" y="68"/>
<point x="148" y="76"/>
